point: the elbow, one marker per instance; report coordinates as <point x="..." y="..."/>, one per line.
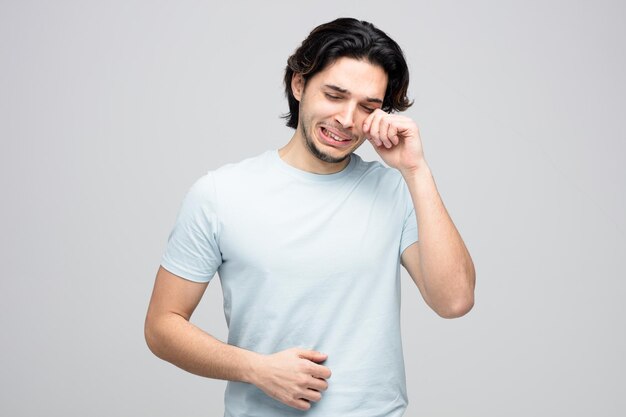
<point x="463" y="302"/>
<point x="159" y="333"/>
<point x="456" y="311"/>
<point x="460" y="307"/>
<point x="151" y="336"/>
<point x="454" y="298"/>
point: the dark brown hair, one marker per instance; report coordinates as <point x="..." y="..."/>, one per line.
<point x="349" y="37"/>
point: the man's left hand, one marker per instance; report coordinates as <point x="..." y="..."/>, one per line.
<point x="396" y="139"/>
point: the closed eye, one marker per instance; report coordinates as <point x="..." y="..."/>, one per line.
<point x="332" y="97"/>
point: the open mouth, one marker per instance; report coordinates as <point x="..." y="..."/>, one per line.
<point x="333" y="139"/>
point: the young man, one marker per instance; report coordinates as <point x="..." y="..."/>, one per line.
<point x="308" y="241"/>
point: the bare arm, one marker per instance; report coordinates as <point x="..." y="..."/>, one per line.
<point x="291" y="376"/>
<point x="439" y="262"/>
<point x="171" y="336"/>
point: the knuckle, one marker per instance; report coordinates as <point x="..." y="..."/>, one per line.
<point x="302" y="380"/>
<point x="304" y="367"/>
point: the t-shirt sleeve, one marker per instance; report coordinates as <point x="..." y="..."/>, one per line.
<point x="192" y="250"/>
<point x="409" y="229"/>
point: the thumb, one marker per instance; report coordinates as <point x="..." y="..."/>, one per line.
<point x="312" y="355"/>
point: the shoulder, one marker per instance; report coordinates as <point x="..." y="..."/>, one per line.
<point x="378" y="171"/>
<point x="234" y="171"/>
<point x="206" y="184"/>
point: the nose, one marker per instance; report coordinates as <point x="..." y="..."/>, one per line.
<point x="346" y="116"/>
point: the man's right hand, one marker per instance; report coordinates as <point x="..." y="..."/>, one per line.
<point x="292" y="376"/>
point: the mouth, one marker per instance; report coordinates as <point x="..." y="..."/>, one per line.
<point x="334" y="139"/>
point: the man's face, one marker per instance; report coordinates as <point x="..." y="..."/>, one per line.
<point x="334" y="103"/>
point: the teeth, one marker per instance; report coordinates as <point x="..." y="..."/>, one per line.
<point x="330" y="134"/>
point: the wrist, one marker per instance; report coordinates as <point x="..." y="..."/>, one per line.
<point x="252" y="368"/>
<point x="418" y="171"/>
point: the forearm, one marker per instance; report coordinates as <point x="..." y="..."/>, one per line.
<point x="176" y="340"/>
<point x="448" y="270"/>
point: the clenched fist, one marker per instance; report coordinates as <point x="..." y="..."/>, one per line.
<point x="292" y="376"/>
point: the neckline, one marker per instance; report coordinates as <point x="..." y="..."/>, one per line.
<point x="311" y="176"/>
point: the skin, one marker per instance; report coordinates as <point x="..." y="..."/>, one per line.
<point x="438" y="263"/>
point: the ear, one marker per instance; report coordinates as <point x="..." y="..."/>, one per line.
<point x="297" y="85"/>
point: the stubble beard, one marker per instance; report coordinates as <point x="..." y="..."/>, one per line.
<point x="310" y="144"/>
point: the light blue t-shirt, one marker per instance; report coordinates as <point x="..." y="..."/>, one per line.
<point x="305" y="260"/>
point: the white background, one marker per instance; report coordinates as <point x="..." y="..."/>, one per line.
<point x="110" y="110"/>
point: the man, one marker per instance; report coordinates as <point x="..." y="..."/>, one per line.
<point x="308" y="241"/>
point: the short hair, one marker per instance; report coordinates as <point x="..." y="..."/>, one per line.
<point x="349" y="37"/>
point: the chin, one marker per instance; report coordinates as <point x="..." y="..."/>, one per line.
<point x="320" y="152"/>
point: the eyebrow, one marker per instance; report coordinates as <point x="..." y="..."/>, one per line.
<point x="343" y="90"/>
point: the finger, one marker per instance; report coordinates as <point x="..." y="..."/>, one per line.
<point x="300" y="404"/>
<point x="367" y="124"/>
<point x="312" y="355"/>
<point x="318" y="384"/>
<point x="393" y="134"/>
<point x="382" y="133"/>
<point x="374" y="129"/>
<point x="319" y="371"/>
<point x="311" y="395"/>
